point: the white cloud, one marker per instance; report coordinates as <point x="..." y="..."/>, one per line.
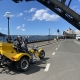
<point x="5" y="28"/>
<point x="23" y="29"/>
<point x="19" y="14"/>
<point x="23" y="25"/>
<point x="18" y="27"/>
<point x="43" y="14"/>
<point x="25" y="11"/>
<point x="32" y="10"/>
<point x="12" y="15"/>
<point x="8" y="13"/>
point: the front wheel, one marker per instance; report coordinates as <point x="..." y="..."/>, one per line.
<point x="42" y="54"/>
<point x="0" y="65"/>
<point x="23" y="64"/>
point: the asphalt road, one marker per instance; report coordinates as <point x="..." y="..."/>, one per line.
<point x="62" y="62"/>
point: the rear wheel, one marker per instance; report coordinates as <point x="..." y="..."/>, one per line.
<point x="23" y="64"/>
<point x="1" y="59"/>
<point x="42" y="54"/>
<point x="0" y="64"/>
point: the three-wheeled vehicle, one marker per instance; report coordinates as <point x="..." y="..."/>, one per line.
<point x="11" y="56"/>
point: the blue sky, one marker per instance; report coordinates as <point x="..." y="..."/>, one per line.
<point x="31" y="18"/>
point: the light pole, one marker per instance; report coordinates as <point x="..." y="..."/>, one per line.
<point x="49" y="34"/>
<point x="58" y="33"/>
<point x="8" y="17"/>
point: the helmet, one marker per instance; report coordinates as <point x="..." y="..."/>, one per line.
<point x="26" y="40"/>
<point x="19" y="37"/>
<point x="9" y="37"/>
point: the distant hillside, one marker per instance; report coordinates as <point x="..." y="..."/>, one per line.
<point x="1" y="34"/>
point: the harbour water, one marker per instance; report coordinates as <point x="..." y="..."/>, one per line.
<point x="31" y="38"/>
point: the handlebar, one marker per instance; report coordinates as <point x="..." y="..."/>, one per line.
<point x="35" y="47"/>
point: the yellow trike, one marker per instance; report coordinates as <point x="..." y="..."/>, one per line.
<point x="20" y="59"/>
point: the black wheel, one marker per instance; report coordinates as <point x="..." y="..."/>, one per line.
<point x="42" y="54"/>
<point x="23" y="64"/>
<point x="0" y="64"/>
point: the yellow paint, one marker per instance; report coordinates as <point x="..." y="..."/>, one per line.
<point x="7" y="50"/>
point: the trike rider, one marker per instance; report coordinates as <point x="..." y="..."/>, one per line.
<point x="24" y="47"/>
<point x="8" y="39"/>
<point x="18" y="43"/>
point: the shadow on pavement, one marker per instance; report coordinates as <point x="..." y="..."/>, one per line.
<point x="33" y="68"/>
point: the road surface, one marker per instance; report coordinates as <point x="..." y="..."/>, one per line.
<point x="62" y="62"/>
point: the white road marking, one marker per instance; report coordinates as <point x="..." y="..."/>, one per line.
<point x="47" y="67"/>
<point x="56" y="48"/>
<point x="76" y="42"/>
<point x="58" y="45"/>
<point x="53" y="53"/>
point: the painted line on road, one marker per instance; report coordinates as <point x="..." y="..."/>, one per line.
<point x="47" y="67"/>
<point x="56" y="48"/>
<point x="53" y="53"/>
<point x="76" y="42"/>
